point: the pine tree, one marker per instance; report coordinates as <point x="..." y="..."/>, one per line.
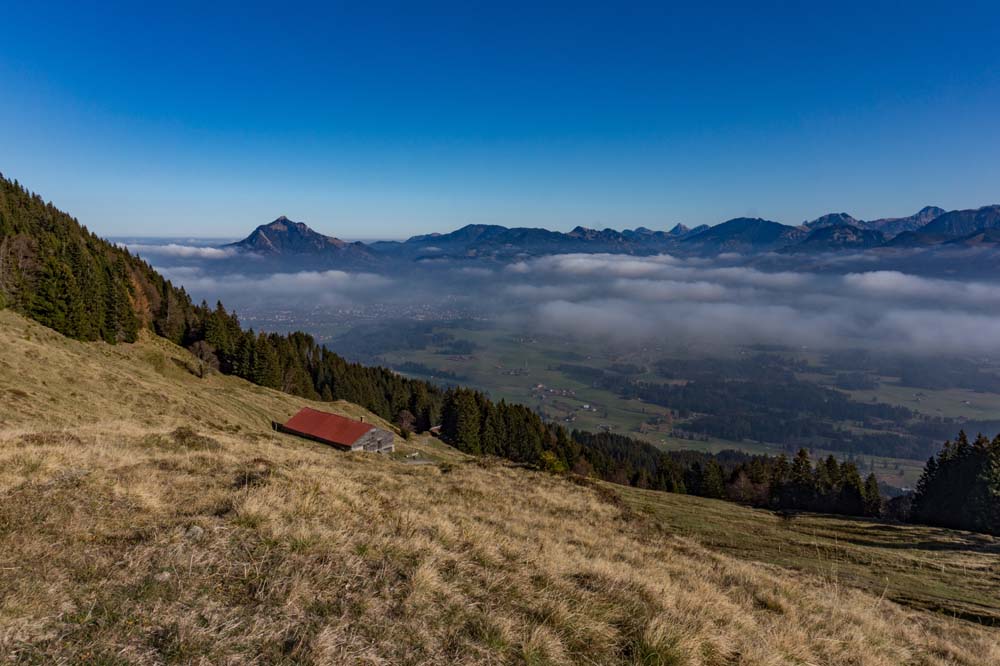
<point x="983" y="501"/>
<point x="922" y="497"/>
<point x="460" y="421"/>
<point x="851" y="497"/>
<point x="266" y="370"/>
<point x="801" y="483"/>
<point x="493" y="433"/>
<point x="873" y="497"/>
<point x="712" y="484"/>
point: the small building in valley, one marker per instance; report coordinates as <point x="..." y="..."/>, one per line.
<point x="338" y="431"/>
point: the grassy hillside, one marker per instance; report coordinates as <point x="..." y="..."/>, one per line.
<point x="148" y="516"/>
<point x="954" y="572"/>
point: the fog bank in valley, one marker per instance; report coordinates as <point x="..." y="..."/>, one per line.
<point x="693" y="301"/>
<point x="852" y="301"/>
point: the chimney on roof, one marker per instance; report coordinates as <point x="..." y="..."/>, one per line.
<point x="362" y="419"/>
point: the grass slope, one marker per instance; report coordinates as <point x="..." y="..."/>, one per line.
<point x="953" y="572"/>
<point x="147" y="516"/>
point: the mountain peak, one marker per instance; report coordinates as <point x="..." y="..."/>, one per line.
<point x="831" y="220"/>
<point x="964" y="222"/>
<point x="282" y="222"/>
<point x="285" y="236"/>
<point x="744" y="233"/>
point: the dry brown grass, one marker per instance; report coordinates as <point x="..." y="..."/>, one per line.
<point x="150" y="517"/>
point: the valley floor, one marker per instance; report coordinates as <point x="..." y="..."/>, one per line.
<point x="148" y="516"/>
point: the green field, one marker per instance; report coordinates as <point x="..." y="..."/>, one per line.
<point x="955" y="403"/>
<point x="956" y="573"/>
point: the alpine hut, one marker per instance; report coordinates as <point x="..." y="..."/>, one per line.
<point x="338" y="431"/>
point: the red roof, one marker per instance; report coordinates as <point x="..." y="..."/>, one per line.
<point x="327" y="427"/>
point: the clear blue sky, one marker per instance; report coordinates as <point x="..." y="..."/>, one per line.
<point x="389" y="121"/>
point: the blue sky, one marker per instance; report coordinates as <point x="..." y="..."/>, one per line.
<point x="390" y="120"/>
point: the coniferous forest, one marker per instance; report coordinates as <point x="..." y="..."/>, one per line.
<point x="55" y="271"/>
<point x="960" y="486"/>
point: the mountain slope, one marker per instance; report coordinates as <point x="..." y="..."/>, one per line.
<point x="287" y="245"/>
<point x="984" y="238"/>
<point x="960" y="223"/>
<point x="893" y="226"/>
<point x="952" y="226"/>
<point x="831" y="220"/>
<point x="889" y="226"/>
<point x="285" y="236"/>
<point x="838" y="237"/>
<point x="57" y="272"/>
<point x="745" y="234"/>
<point x="149" y="516"/>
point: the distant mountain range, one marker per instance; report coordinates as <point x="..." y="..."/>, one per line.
<point x="888" y="226"/>
<point x="284" y="239"/>
<point x="959" y="223"/>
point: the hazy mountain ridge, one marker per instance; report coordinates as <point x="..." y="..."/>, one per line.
<point x="929" y="227"/>
<point x="959" y="223"/>
<point x="839" y="237"/>
<point x="889" y="226"/>
<point x="893" y="226"/>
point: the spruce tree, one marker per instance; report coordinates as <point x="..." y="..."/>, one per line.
<point x="851" y="496"/>
<point x="873" y="497"/>
<point x="712" y="483"/>
<point x="801" y="487"/>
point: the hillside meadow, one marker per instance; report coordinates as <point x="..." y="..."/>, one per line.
<point x="148" y="516"/>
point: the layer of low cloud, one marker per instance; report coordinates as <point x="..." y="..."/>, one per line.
<point x="181" y="251"/>
<point x="894" y="284"/>
<point x="662" y="300"/>
<point x="301" y="289"/>
<point x="670" y="300"/>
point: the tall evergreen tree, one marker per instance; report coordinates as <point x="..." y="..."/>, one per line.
<point x="801" y="487"/>
<point x="851" y="496"/>
<point x="712" y="484"/>
<point x="873" y="497"/>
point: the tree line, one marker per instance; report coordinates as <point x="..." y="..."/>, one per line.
<point x="960" y="486"/>
<point x="474" y="424"/>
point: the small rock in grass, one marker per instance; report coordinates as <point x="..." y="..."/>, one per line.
<point x="194" y="533"/>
